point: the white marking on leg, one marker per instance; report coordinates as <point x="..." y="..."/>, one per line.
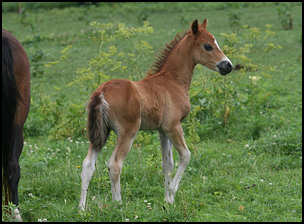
<point x="167" y="163"/>
<point x="114" y="172"/>
<point x="177" y="138"/>
<point x="184" y="161"/>
<point x="17" y="215"/>
<point x="88" y="168"/>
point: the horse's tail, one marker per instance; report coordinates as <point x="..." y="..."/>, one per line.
<point x="9" y="98"/>
<point x="98" y="121"/>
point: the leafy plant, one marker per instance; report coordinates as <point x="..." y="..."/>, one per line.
<point x="108" y="62"/>
<point x="36" y="54"/>
<point x="36" y="58"/>
<point x="235" y="20"/>
<point x="284" y="10"/>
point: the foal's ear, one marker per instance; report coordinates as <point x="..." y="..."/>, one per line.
<point x="204" y="24"/>
<point x="194" y="27"/>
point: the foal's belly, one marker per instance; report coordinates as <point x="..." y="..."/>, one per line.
<point x="150" y="120"/>
<point x="148" y="126"/>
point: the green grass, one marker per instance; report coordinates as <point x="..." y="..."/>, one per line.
<point x="250" y="170"/>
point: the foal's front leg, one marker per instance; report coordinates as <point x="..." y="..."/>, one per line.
<point x="168" y="163"/>
<point x="176" y="136"/>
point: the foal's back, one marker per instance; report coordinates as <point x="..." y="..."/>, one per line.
<point x="155" y="102"/>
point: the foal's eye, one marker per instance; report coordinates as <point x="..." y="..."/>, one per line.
<point x="208" y="47"/>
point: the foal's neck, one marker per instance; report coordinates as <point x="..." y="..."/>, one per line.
<point x="179" y="65"/>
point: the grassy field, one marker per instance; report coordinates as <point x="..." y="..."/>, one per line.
<point x="246" y="165"/>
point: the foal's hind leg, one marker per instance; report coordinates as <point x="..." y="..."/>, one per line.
<point x="168" y="163"/>
<point x="176" y="136"/>
<point x="88" y="168"/>
<point x="124" y="143"/>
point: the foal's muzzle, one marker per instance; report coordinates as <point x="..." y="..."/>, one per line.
<point x="224" y="67"/>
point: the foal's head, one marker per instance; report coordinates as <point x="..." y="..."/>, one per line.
<point x="206" y="50"/>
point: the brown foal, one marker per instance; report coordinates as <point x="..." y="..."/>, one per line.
<point x="159" y="101"/>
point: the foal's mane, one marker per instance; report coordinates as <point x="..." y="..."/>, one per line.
<point x="162" y="57"/>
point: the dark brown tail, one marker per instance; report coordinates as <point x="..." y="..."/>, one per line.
<point x="98" y="123"/>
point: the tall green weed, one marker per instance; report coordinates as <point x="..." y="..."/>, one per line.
<point x="237" y="106"/>
<point x="108" y="62"/>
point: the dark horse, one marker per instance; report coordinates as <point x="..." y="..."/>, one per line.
<point x="15" y="102"/>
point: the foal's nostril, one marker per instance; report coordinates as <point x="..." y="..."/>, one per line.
<point x="229" y="66"/>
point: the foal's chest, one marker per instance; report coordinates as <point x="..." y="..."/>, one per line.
<point x="151" y="115"/>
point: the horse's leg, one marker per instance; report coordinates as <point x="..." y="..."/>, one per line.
<point x="14" y="168"/>
<point x="168" y="163"/>
<point x="88" y="168"/>
<point x="176" y="136"/>
<point x="124" y="143"/>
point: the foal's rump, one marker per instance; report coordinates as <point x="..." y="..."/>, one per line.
<point x="114" y="106"/>
<point x="123" y="99"/>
